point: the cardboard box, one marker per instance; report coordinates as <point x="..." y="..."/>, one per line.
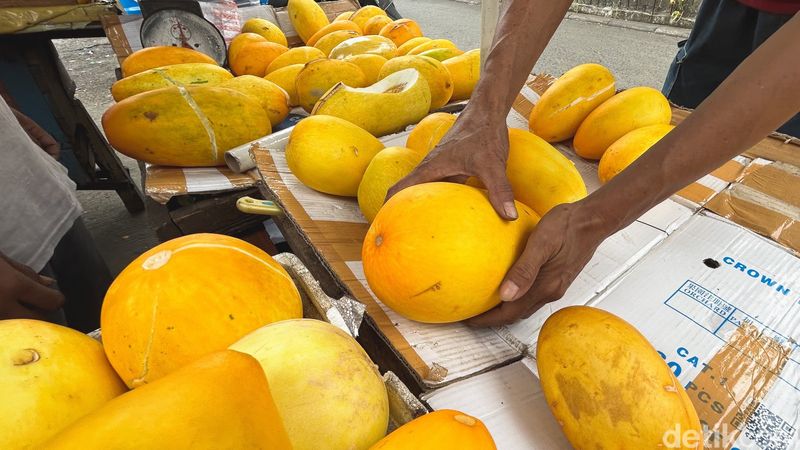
<point x="654" y="274"/>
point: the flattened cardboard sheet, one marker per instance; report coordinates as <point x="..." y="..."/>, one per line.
<point x="161" y="183"/>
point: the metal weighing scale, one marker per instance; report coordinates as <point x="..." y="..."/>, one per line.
<point x="180" y="23"/>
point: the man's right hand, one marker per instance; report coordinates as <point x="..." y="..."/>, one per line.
<point x="473" y="147"/>
<point x="24" y="293"/>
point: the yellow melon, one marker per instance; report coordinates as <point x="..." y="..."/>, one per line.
<point x="51" y="376"/>
<point x="438" y="77"/>
<point x="330" y="155"/>
<point x="466" y="71"/>
<point x="285" y="78"/>
<point x="254" y="58"/>
<point x="187" y="74"/>
<point x="241" y="41"/>
<point x="344" y="16"/>
<point x="319" y="76"/>
<point x="401" y="30"/>
<point x="160" y="56"/>
<point x="363" y="14"/>
<point x="272" y="97"/>
<point x="627" y="149"/>
<point x="307" y="17"/>
<point x="373" y="45"/>
<point x="429" y="131"/>
<point x="220" y="401"/>
<point x="341" y="25"/>
<point x="433" y="44"/>
<point x="411" y="44"/>
<point x="185" y="127"/>
<point x="565" y="104"/>
<point x="388" y="167"/>
<point x="375" y="24"/>
<point x="369" y="64"/>
<point x="607" y="386"/>
<point x="297" y="55"/>
<point x="266" y="29"/>
<point x="188" y="297"/>
<point x="438" y="430"/>
<point x="441" y="54"/>
<point x="327" y="390"/>
<point x="630" y="109"/>
<point x="437" y="252"/>
<point x="328" y="42"/>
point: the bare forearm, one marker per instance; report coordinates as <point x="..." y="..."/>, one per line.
<point x="522" y="34"/>
<point x="759" y="96"/>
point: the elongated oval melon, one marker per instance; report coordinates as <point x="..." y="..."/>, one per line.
<point x="607" y="386"/>
<point x="186" y="127"/>
<point x="152" y="57"/>
<point x="187" y="74"/>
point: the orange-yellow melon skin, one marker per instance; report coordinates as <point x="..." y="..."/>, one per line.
<point x="627" y="149"/>
<point x="375" y="24"/>
<point x="630" y="109"/>
<point x="255" y="58"/>
<point x="188" y="297"/>
<point x="297" y="55"/>
<point x="266" y="29"/>
<point x="221" y="401"/>
<point x="50" y="376"/>
<point x="607" y="386"/>
<point x="363" y="14"/>
<point x="465" y="70"/>
<point x="241" y="41"/>
<point x="429" y="131"/>
<point x="400" y="31"/>
<point x="152" y="57"/>
<point x="411" y="44"/>
<point x="341" y="25"/>
<point x="437" y="252"/>
<point x="307" y="17"/>
<point x="562" y="108"/>
<point x="439" y="430"/>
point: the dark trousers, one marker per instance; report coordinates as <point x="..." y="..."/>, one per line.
<point x="82" y="276"/>
<point x="724" y="34"/>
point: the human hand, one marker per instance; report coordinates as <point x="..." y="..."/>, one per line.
<point x="560" y="246"/>
<point x="38" y="135"/>
<point x="473" y="147"/>
<point x="24" y="293"/>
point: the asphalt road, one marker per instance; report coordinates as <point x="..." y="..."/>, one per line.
<point x="635" y="57"/>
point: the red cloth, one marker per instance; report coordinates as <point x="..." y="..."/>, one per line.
<point x="774" y="6"/>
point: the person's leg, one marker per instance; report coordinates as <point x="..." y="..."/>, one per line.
<point x="722" y="38"/>
<point x="83" y="277"/>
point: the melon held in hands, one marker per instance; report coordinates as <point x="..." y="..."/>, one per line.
<point x="327" y="390"/>
<point x="50" y="376"/>
<point x="400" y="99"/>
<point x="188" y="297"/>
<point x="437" y="252"/>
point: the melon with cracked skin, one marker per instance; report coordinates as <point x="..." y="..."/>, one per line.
<point x="272" y="97"/>
<point x="388" y="106"/>
<point x="330" y="155"/>
<point x="187" y="74"/>
<point x="174" y="303"/>
<point x="442" y="429"/>
<point x="160" y="56"/>
<point x="388" y="167"/>
<point x="51" y="376"/>
<point x="307" y="17"/>
<point x="327" y="390"/>
<point x="319" y="76"/>
<point x="608" y="387"/>
<point x="437" y="252"/>
<point x="564" y="105"/>
<point x="220" y="401"/>
<point x="440" y="82"/>
<point x="184" y="127"/>
<point x="364" y="45"/>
